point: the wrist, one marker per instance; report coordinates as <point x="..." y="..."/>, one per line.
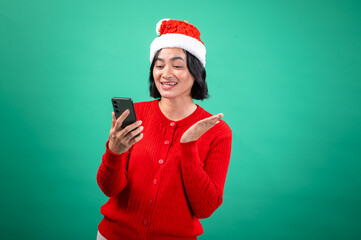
<point x="113" y="151"/>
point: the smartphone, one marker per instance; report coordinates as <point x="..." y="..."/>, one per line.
<point x="122" y="104"/>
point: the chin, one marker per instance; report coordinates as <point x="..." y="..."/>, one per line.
<point x="167" y="95"/>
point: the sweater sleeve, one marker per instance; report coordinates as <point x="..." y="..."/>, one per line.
<point x="204" y="183"/>
<point x="112" y="173"/>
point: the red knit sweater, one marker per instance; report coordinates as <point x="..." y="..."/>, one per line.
<point x="160" y="187"/>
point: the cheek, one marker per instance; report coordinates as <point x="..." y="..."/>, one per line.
<point x="187" y="78"/>
<point x="155" y="74"/>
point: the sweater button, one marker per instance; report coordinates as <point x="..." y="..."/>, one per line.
<point x="145" y="222"/>
<point x="150" y="202"/>
<point x="155" y="181"/>
<point x="172" y="124"/>
<point x="166" y="142"/>
<point x="160" y="161"/>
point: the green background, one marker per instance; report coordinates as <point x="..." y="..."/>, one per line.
<point x="286" y="75"/>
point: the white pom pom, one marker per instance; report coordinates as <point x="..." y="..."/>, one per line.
<point x="157" y="28"/>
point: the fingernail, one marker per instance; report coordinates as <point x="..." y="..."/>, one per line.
<point x="217" y="122"/>
<point x="140" y="121"/>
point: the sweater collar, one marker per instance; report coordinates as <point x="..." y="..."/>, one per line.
<point x="162" y="118"/>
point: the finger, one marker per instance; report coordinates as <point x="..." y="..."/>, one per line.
<point x="136" y="139"/>
<point x="210" y="124"/>
<point x="130" y="127"/>
<point x="217" y="117"/>
<point x="113" y="119"/>
<point x="134" y="133"/>
<point x="210" y="120"/>
<point x="121" y="119"/>
<point x="220" y="115"/>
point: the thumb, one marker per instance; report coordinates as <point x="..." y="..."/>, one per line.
<point x="220" y="115"/>
<point x="113" y="119"/>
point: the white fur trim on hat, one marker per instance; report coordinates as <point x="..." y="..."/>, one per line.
<point x="170" y="40"/>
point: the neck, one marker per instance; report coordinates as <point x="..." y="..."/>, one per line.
<point x="177" y="109"/>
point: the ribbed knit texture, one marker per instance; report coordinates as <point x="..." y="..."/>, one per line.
<point x="160" y="187"/>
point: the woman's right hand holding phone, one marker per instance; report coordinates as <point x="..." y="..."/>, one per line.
<point x="121" y="139"/>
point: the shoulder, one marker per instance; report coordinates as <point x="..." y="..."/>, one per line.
<point x="141" y="106"/>
<point x="221" y="132"/>
<point x="223" y="127"/>
<point x="142" y="109"/>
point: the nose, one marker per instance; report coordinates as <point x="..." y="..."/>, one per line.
<point x="167" y="73"/>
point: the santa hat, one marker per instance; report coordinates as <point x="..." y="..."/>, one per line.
<point x="180" y="34"/>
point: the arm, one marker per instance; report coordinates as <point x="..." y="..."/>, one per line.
<point x="112" y="173"/>
<point x="204" y="184"/>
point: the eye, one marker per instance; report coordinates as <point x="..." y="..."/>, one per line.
<point x="159" y="67"/>
<point x="178" y="66"/>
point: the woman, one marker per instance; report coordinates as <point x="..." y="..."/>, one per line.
<point x="160" y="183"/>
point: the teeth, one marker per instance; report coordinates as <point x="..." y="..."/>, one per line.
<point x="169" y="84"/>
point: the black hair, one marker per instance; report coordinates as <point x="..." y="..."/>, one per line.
<point x="199" y="89"/>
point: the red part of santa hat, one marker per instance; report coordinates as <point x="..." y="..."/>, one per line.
<point x="181" y="34"/>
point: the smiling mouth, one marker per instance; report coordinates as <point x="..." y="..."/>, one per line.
<point x="169" y="84"/>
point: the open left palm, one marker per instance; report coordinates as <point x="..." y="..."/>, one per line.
<point x="199" y="128"/>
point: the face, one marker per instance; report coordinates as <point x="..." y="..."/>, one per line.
<point x="171" y="75"/>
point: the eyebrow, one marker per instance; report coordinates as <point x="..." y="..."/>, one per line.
<point x="172" y="59"/>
